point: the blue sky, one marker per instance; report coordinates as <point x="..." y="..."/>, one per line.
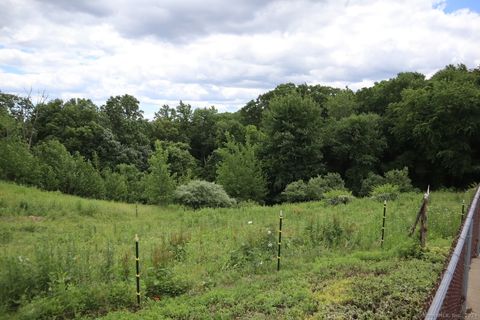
<point x="212" y="52"/>
<point x="453" y="5"/>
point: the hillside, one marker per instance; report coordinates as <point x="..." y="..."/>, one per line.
<point x="69" y="257"/>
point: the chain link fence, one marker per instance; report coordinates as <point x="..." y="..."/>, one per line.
<point x="449" y="301"/>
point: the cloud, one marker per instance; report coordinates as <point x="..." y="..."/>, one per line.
<point x="214" y="52"/>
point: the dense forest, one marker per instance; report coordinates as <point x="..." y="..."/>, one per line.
<point x="429" y="128"/>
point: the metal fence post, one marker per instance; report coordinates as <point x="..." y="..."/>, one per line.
<point x="466" y="266"/>
<point x="477" y="214"/>
<point x="383" y="222"/>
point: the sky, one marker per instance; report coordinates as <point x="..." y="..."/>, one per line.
<point x="224" y="53"/>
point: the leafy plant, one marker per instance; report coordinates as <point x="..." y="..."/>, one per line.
<point x="198" y="194"/>
<point x="335" y="197"/>
<point x="385" y="192"/>
<point x="296" y="192"/>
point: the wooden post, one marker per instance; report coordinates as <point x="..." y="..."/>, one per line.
<point x="279" y="241"/>
<point x="423" y="220"/>
<point x="137" y="262"/>
<point x="463" y="210"/>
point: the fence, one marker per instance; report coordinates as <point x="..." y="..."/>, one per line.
<point x="449" y="301"/>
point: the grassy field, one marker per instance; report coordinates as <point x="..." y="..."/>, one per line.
<point x="66" y="257"/>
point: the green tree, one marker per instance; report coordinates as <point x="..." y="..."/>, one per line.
<point x="292" y="149"/>
<point x="116" y="187"/>
<point x="159" y="183"/>
<point x="240" y="173"/>
<point x="87" y="180"/>
<point x="17" y="163"/>
<point x="355" y="145"/>
<point x="182" y="164"/>
<point x="58" y="166"/>
<point x="342" y="104"/>
<point x="439" y="125"/>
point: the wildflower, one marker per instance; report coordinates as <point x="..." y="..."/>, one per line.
<point x="269" y="232"/>
<point x="250" y="222"/>
<point x="270" y="244"/>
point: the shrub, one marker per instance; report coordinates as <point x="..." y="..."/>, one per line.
<point x="385" y="192"/>
<point x="295" y="192"/>
<point x="198" y="194"/>
<point x="240" y="172"/>
<point x="317" y="186"/>
<point x="162" y="281"/>
<point x="371" y="181"/>
<point x="336" y="196"/>
<point x="399" y="178"/>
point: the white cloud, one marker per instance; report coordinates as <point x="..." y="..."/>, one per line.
<point x="223" y="54"/>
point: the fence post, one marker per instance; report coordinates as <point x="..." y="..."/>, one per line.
<point x="383" y="223"/>
<point x="137" y="275"/>
<point x="279" y="240"/>
<point x="466" y="266"/>
<point x="477" y="214"/>
<point x="463" y="210"/>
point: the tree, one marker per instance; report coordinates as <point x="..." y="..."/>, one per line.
<point x="292" y="150"/>
<point x="240" y="173"/>
<point x="203" y="129"/>
<point x="58" y="166"/>
<point x="377" y="98"/>
<point x="87" y="180"/>
<point x="159" y="183"/>
<point x="17" y="163"/>
<point x="182" y="164"/>
<point x="439" y="125"/>
<point x="115" y="185"/>
<point x="355" y="145"/>
<point x="342" y="104"/>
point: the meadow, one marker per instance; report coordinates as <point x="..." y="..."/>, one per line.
<point x="67" y="257"/>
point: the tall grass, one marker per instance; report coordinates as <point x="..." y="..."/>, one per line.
<point x="63" y="256"/>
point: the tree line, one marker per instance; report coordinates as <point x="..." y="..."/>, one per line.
<point x="429" y="128"/>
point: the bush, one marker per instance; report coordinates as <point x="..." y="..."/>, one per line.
<point x="163" y="282"/>
<point x="385" y="192"/>
<point x="371" y="181"/>
<point x="337" y="196"/>
<point x="394" y="177"/>
<point x="317" y="186"/>
<point x="399" y="178"/>
<point x="295" y="192"/>
<point x="198" y="194"/>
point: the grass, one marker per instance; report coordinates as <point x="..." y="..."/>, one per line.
<point x="68" y="257"/>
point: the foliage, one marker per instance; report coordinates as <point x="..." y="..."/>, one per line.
<point x="385" y="192"/>
<point x="371" y="181"/>
<point x="356" y="144"/>
<point x="315" y="189"/>
<point x="319" y="185"/>
<point x="65" y="257"/>
<point x="159" y="183"/>
<point x="400" y="179"/>
<point x="301" y="131"/>
<point x="292" y="124"/>
<point x="198" y="194"/>
<point x="17" y="163"/>
<point x="240" y="173"/>
<point x="336" y="196"/>
<point x="296" y="191"/>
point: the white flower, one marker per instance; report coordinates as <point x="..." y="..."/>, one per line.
<point x="250" y="222"/>
<point x="270" y="244"/>
<point x="269" y="232"/>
